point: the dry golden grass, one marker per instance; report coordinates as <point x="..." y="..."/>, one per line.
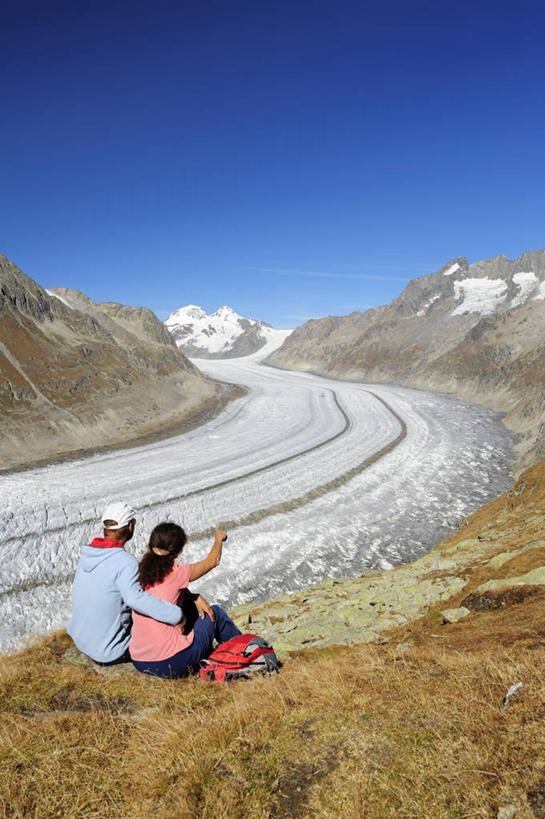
<point x="355" y="732"/>
<point x="368" y="731"/>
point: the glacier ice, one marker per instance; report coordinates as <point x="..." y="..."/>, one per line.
<point x="289" y="434"/>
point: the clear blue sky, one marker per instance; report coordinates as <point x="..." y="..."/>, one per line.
<point x="166" y="153"/>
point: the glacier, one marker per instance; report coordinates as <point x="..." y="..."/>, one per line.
<point x="483" y="296"/>
<point x="313" y="477"/>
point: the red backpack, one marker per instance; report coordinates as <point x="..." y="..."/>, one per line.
<point x="239" y="657"/>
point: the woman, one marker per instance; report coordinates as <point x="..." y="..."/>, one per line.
<point x="157" y="648"/>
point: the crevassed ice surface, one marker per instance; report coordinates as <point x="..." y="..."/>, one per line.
<point x="258" y="465"/>
<point x="482" y="296"/>
<point x="527" y="282"/>
<point x="540" y="291"/>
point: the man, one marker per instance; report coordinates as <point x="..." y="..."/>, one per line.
<point x="106" y="588"/>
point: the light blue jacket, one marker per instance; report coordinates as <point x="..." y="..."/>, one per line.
<point x="105" y="590"/>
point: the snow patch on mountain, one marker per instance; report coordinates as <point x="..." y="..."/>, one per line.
<point x="483" y="296"/>
<point x="426" y="306"/>
<point x="526" y="282"/>
<point x="223" y="334"/>
<point x="60" y="298"/>
<point x="540" y="292"/>
<point x="452" y="269"/>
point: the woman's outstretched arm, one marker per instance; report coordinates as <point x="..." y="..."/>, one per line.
<point x="212" y="559"/>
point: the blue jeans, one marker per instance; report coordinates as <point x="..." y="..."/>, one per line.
<point x="188" y="660"/>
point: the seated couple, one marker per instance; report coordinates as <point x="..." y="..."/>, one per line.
<point x="156" y="635"/>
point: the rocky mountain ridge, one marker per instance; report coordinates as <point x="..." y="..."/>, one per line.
<point x="75" y="375"/>
<point x="476" y="330"/>
<point x="223" y="334"/>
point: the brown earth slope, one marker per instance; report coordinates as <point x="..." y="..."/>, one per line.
<point x="76" y="376"/>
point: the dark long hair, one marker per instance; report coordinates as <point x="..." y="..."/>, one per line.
<point x="169" y="537"/>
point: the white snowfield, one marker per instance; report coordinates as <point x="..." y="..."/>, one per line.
<point x="313" y="478"/>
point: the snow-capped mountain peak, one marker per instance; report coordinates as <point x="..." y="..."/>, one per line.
<point x="191" y="312"/>
<point x="226" y="312"/>
<point x="223" y="334"/>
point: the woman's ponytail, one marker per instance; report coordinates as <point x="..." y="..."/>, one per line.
<point x="165" y="544"/>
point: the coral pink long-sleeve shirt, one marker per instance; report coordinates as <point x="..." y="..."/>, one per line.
<point x="152" y="640"/>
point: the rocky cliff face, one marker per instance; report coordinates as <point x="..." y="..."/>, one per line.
<point x="476" y="330"/>
<point x="75" y="375"/>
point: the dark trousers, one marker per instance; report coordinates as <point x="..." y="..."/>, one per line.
<point x="188" y="660"/>
<point x="125" y="658"/>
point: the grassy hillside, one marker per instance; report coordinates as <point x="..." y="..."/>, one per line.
<point x="409" y="725"/>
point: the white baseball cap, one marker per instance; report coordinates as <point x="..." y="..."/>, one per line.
<point x="121" y="512"/>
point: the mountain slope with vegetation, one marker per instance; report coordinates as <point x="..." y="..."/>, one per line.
<point x="412" y="724"/>
<point x="75" y="375"/>
<point x="476" y="330"/>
